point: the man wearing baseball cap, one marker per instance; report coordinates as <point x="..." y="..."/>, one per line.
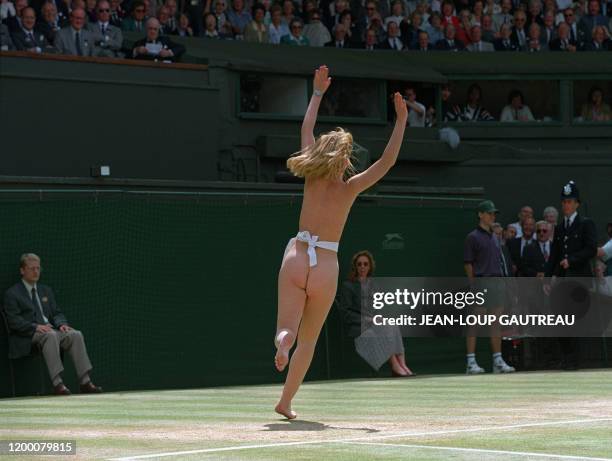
<point x="482" y="258"/>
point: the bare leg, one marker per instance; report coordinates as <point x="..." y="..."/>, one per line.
<point x="321" y="290"/>
<point x="496" y="333"/>
<point x="471" y="344"/>
<point x="396" y="367"/>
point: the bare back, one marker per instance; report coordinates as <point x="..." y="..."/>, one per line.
<point x="325" y="208"/>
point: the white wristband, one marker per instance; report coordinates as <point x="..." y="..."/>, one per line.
<point x="317" y="93"/>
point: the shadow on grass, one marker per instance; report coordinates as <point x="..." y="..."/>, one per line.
<point x="313" y="426"/>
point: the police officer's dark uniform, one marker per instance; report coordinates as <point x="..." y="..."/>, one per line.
<point x="576" y="242"/>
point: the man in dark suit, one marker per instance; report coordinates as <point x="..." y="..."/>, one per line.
<point x="155" y="46"/>
<point x="50" y="23"/>
<point x="504" y="43"/>
<point x="339" y="40"/>
<point x="574" y="245"/>
<point x="371" y="41"/>
<point x="422" y="43"/>
<point x="537" y="255"/>
<point x="449" y="42"/>
<point x="35" y="319"/>
<point x="563" y="42"/>
<point x="27" y="38"/>
<point x="518" y="246"/>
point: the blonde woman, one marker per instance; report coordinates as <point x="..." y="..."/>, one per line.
<point x="308" y="275"/>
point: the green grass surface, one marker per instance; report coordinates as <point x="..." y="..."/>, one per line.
<point x="490" y="417"/>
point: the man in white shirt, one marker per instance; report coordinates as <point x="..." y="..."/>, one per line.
<point x="416" y="110"/>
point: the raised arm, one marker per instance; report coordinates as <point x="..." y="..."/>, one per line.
<point x="378" y="169"/>
<point x="320" y="85"/>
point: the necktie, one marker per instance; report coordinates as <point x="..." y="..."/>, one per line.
<point x="77" y="43"/>
<point x="567" y="223"/>
<point x="30" y="37"/>
<point x="103" y="29"/>
<point x="40" y="318"/>
<point x="545" y="251"/>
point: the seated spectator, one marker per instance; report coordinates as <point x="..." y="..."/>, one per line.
<point x="450" y="112"/>
<point x="491" y="8"/>
<point x="288" y="9"/>
<point x="534" y="42"/>
<point x="589" y="21"/>
<point x="277" y="28"/>
<point x="448" y="14"/>
<point x="339" y="40"/>
<point x="473" y="111"/>
<point x="137" y="21"/>
<point x="398" y="13"/>
<point x="534" y="13"/>
<point x="353" y="34"/>
<point x="238" y="17"/>
<point x="156" y="47"/>
<point x="393" y="40"/>
<point x="334" y="15"/>
<point x="504" y="43"/>
<point x="107" y="38"/>
<point x="220" y="13"/>
<point x="13" y="18"/>
<point x="117" y="13"/>
<point x="488" y="31"/>
<point x="434" y="29"/>
<point x="574" y="34"/>
<point x="519" y="34"/>
<point x="449" y="43"/>
<point x="295" y="36"/>
<point x="35" y="319"/>
<point x="548" y="31"/>
<point x="210" y="27"/>
<point x="28" y="39"/>
<point x="477" y="44"/>
<point x="75" y="40"/>
<point x="504" y="17"/>
<point x="62" y="8"/>
<point x="163" y="16"/>
<point x="184" y="26"/>
<point x="6" y="42"/>
<point x="416" y="110"/>
<point x="173" y="15"/>
<point x="563" y="42"/>
<point x="463" y="31"/>
<point x="598" y="41"/>
<point x="90" y="11"/>
<point x="256" y="31"/>
<point x="371" y="40"/>
<point x="516" y="110"/>
<point x="375" y="346"/>
<point x="315" y="31"/>
<point x="372" y="20"/>
<point x="477" y="13"/>
<point x="595" y="110"/>
<point x="423" y="42"/>
<point x="410" y="31"/>
<point x="422" y="8"/>
<point x="308" y="6"/>
<point x="50" y="23"/>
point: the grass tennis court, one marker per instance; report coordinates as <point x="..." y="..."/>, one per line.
<point x="543" y="415"/>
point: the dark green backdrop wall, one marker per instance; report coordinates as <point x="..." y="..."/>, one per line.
<point x="180" y="290"/>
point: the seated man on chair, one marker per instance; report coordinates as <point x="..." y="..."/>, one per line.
<point x="34" y="319"/>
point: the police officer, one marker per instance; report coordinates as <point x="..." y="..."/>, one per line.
<point x="574" y="245"/>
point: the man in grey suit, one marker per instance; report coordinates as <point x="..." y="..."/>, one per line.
<point x="75" y="40"/>
<point x="106" y="37"/>
<point x="505" y="17"/>
<point x="477" y="44"/>
<point x="35" y="319"/>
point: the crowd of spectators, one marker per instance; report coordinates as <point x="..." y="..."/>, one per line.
<point x="90" y="27"/>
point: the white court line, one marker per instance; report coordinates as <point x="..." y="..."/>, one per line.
<point x="358" y="439"/>
<point x="482" y="450"/>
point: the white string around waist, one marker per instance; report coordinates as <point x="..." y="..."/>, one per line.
<point x="313" y="242"/>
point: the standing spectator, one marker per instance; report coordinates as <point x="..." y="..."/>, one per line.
<point x="416" y="110"/>
<point x="517" y="246"/>
<point x="563" y="42"/>
<point x="504" y="42"/>
<point x="423" y="42"/>
<point x="504" y="17"/>
<point x="184" y="26"/>
<point x="238" y="17"/>
<point x="393" y="41"/>
<point x="473" y="111"/>
<point x="516" y="110"/>
<point x="315" y="31"/>
<point x="210" y="27"/>
<point x="525" y="212"/>
<point x="35" y="319"/>
<point x="551" y="215"/>
<point x="450" y="43"/>
<point x="295" y="36"/>
<point x="589" y="21"/>
<point x="482" y="264"/>
<point x="107" y="38"/>
<point x="519" y="34"/>
<point x="137" y="20"/>
<point x="156" y="46"/>
<point x="509" y="233"/>
<point x="534" y="42"/>
<point x="595" y="110"/>
<point x="277" y="28"/>
<point x="256" y="31"/>
<point x="598" y="40"/>
<point x="76" y="40"/>
<point x="434" y="29"/>
<point x="536" y="255"/>
<point x="477" y="44"/>
<point x="375" y="345"/>
<point x="339" y="40"/>
<point x="28" y="39"/>
<point x="574" y="246"/>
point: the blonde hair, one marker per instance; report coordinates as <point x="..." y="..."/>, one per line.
<point x="330" y="156"/>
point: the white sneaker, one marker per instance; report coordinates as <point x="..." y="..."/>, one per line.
<point x="474" y="369"/>
<point x="503" y="367"/>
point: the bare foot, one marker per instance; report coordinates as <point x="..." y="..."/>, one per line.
<point x="408" y="371"/>
<point x="286" y="412"/>
<point x="283" y="347"/>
